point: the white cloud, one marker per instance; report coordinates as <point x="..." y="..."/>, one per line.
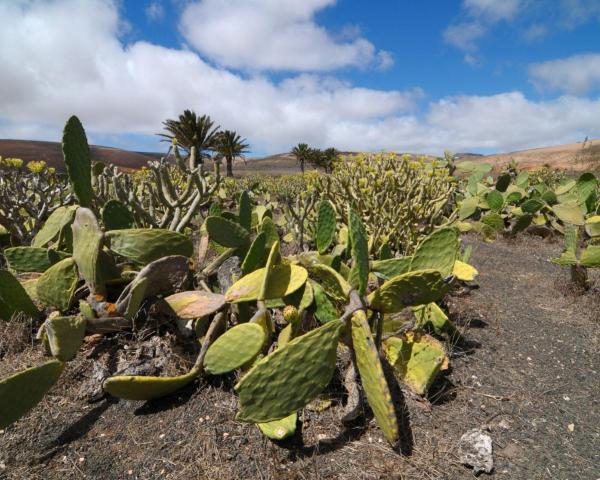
<point x="273" y="35"/>
<point x="577" y="74"/>
<point x="535" y="32"/>
<point x="155" y="11"/>
<point x="61" y="64"/>
<point x="493" y="10"/>
<point x="464" y="35"/>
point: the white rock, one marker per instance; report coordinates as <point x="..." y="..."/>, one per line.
<point x="475" y="450"/>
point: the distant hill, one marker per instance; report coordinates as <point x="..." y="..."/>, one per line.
<point x="51" y="153"/>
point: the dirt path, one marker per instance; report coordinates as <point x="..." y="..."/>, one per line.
<point x="530" y="372"/>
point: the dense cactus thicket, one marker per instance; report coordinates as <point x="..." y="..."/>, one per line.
<point x="289" y="282"/>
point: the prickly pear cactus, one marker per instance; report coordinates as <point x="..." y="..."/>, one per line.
<point x="32" y="259"/>
<point x="116" y="216"/>
<point x="56" y="287"/>
<point x="438" y="251"/>
<point x="360" y="250"/>
<point x="57" y="221"/>
<point x="76" y="154"/>
<point x="88" y="241"/>
<point x="284" y="280"/>
<point x="227" y="232"/>
<point x="326" y="222"/>
<point x="65" y="336"/>
<point x="236" y="347"/>
<point x="14" y="298"/>
<point x="145" y="245"/>
<point x="133" y="387"/>
<point x="195" y="304"/>
<point x="280" y="429"/>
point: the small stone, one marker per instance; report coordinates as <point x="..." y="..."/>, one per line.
<point x="475" y="450"/>
<point x="81" y="459"/>
<point x="2" y="465"/>
<point x="566" y="398"/>
<point x="161" y="436"/>
<point x="571" y="427"/>
<point x="504" y="424"/>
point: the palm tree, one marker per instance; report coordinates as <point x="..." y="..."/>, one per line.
<point x="192" y="131"/>
<point x="230" y="145"/>
<point x="302" y="152"/>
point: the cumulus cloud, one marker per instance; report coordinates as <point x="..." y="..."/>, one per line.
<point x="155" y="11"/>
<point x="493" y="10"/>
<point x="273" y="35"/>
<point x="577" y="74"/>
<point x="464" y="35"/>
<point x="62" y="64"/>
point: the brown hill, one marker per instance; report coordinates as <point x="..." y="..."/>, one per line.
<point x="51" y="153"/>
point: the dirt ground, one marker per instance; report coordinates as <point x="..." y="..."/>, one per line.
<point x="529" y="372"/>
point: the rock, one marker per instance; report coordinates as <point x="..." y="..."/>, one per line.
<point x="475" y="450"/>
<point x="229" y="272"/>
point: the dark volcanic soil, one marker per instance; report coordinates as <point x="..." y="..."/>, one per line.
<point x="530" y="372"/>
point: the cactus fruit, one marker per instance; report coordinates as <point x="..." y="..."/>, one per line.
<point x="145" y="245"/>
<point x="236" y="347"/>
<point x="437" y="251"/>
<point x="32" y="259"/>
<point x="195" y="304"/>
<point x="417" y="358"/>
<point x="360" y="250"/>
<point x="372" y="377"/>
<point x="88" y="241"/>
<point x="14" y="298"/>
<point x="227" y="232"/>
<point x="326" y="222"/>
<point x="65" y="336"/>
<point x="56" y="222"/>
<point x="412" y="288"/>
<point x="256" y="256"/>
<point x="76" y="154"/>
<point x="280" y="429"/>
<point x="284" y="280"/>
<point x="22" y="391"/>
<point x="134" y="387"/>
<point x="116" y="216"/>
<point x="290" y="377"/>
<point x="56" y="287"/>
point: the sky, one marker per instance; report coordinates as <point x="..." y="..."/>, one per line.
<point x="395" y="75"/>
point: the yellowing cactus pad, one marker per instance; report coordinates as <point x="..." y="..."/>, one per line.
<point x="22" y="391"/>
<point x="417" y="358"/>
<point x="280" y="429"/>
<point x="372" y="377"/>
<point x="134" y="387"/>
<point x="65" y="336"/>
<point x="463" y="271"/>
<point x="283" y="280"/>
<point x="195" y="304"/>
<point x="290" y="377"/>
<point x="236" y="347"/>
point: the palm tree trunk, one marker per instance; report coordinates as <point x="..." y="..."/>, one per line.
<point x="229" y="166"/>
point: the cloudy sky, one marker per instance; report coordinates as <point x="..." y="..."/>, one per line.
<point x="466" y="75"/>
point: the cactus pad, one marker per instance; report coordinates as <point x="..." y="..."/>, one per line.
<point x="87" y="245"/>
<point x="257" y="254"/>
<point x="32" y="259"/>
<point x="332" y="282"/>
<point x="280" y="429"/>
<point x="431" y="316"/>
<point x="417" y="358"/>
<point x="133" y="387"/>
<point x="437" y="251"/>
<point x="245" y="211"/>
<point x="65" y="336"/>
<point x="116" y="216"/>
<point x="227" y="232"/>
<point x="326" y="222"/>
<point x="195" y="304"/>
<point x="145" y="245"/>
<point x="56" y="287"/>
<point x="236" y="347"/>
<point x="76" y="153"/>
<point x="22" y="391"/>
<point x="360" y="250"/>
<point x="268" y="227"/>
<point x="59" y="219"/>
<point x="569" y="213"/>
<point x="372" y="377"/>
<point x="392" y="267"/>
<point x="590" y="256"/>
<point x="463" y="271"/>
<point x="290" y="377"/>
<point x="14" y="298"/>
<point x="413" y="288"/>
<point x="136" y="295"/>
<point x="284" y="280"/>
<point x="325" y="311"/>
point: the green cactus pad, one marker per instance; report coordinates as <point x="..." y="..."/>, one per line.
<point x="325" y="311"/>
<point x="87" y="245"/>
<point x="134" y="387"/>
<point x="272" y="261"/>
<point x="14" y="298"/>
<point x="391" y="267"/>
<point x="145" y="245"/>
<point x="590" y="256"/>
<point x="503" y="182"/>
<point x="532" y="205"/>
<point x="59" y="219"/>
<point x="284" y="280"/>
<point x="495" y="200"/>
<point x="493" y="220"/>
<point x="586" y="185"/>
<point x="417" y="358"/>
<point x="65" y="336"/>
<point x="257" y="254"/>
<point x="30" y="287"/>
<point x="521" y="223"/>
<point x="280" y="429"/>
<point x="463" y="271"/>
<point x="245" y="211"/>
<point x="592" y="226"/>
<point x="136" y="295"/>
<point x="116" y="216"/>
<point x="195" y="304"/>
<point x="227" y="233"/>
<point x="268" y="227"/>
<point x="438" y="251"/>
<point x="432" y="317"/>
<point x="301" y="298"/>
<point x="413" y="288"/>
<point x="290" y="377"/>
<point x="468" y="207"/>
<point x="76" y="153"/>
<point x="332" y="282"/>
<point x="56" y="287"/>
<point x="360" y="250"/>
<point x="32" y="259"/>
<point x="236" y="347"/>
<point x="326" y="222"/>
<point x="372" y="377"/>
<point x="569" y="213"/>
<point x="22" y="391"/>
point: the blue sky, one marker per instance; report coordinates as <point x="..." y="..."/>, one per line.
<point x="468" y="75"/>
